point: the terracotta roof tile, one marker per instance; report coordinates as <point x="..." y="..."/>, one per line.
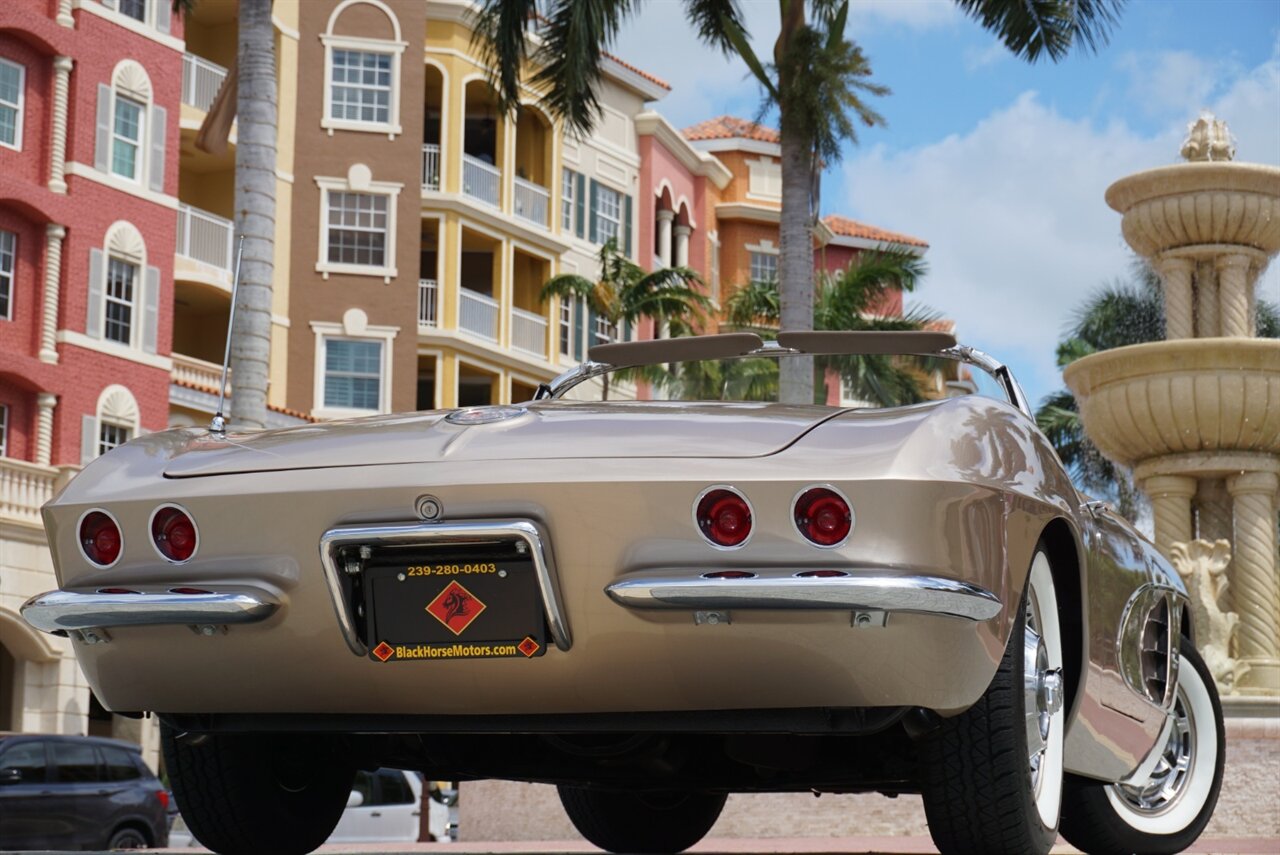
<point x="213" y="390"/>
<point x="852" y="228"/>
<point x="729" y="128"/>
<point x="640" y="71"/>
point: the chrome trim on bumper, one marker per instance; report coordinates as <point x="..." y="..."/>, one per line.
<point x="687" y="589"/>
<point x="62" y="611"/>
<point x="442" y="533"/>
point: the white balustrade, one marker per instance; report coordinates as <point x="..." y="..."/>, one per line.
<point x="529" y="332"/>
<point x="431" y="167"/>
<point x="427" y="291"/>
<point x="24" y="487"/>
<point x="532" y="202"/>
<point x="190" y="371"/>
<point x="478" y="314"/>
<point x="201" y="80"/>
<point x="481" y="180"/>
<point x="205" y="237"/>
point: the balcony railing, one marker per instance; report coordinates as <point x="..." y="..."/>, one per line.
<point x="24" y="487"/>
<point x="481" y="180"/>
<point x="196" y="372"/>
<point x="201" y="80"/>
<point x="431" y="167"/>
<point x="478" y="314"/>
<point x="205" y="237"/>
<point x="529" y="333"/>
<point x="532" y="202"/>
<point x="427" y="291"/>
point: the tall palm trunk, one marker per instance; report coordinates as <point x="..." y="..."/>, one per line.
<point x="255" y="204"/>
<point x="795" y="264"/>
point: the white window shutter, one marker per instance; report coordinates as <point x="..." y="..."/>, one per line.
<point x="162" y="15"/>
<point x="158" y="116"/>
<point x="88" y="439"/>
<point x="93" y="321"/>
<point x="102" y="144"/>
<point x="150" y="311"/>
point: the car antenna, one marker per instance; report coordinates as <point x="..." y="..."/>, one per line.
<point x="218" y="424"/>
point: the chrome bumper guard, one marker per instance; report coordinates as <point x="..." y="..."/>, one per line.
<point x="694" y="590"/>
<point x="445" y="534"/>
<point x="73" y="611"/>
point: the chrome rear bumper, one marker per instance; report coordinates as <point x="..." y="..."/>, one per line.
<point x="690" y="589"/>
<point x="72" y="611"/>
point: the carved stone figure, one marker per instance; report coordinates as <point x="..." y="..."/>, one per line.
<point x="1203" y="565"/>
<point x="1208" y="140"/>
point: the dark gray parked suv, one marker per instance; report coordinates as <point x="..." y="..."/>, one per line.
<point x="78" y="792"/>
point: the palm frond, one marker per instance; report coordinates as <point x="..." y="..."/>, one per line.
<point x="1035" y="28"/>
<point x="756" y="304"/>
<point x="500" y="35"/>
<point x="566" y="285"/>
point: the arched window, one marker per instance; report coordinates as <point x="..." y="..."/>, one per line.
<point x="124" y="293"/>
<point x="130" y="140"/>
<point x="362" y="50"/>
<point x="116" y="420"/>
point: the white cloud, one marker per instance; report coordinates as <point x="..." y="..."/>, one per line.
<point x="914" y="14"/>
<point x="978" y="58"/>
<point x="1015" y="215"/>
<point x="1170" y="82"/>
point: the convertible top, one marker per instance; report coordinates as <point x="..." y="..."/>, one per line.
<point x="728" y="345"/>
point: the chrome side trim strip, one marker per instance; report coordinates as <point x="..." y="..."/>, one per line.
<point x="687" y="589"/>
<point x="59" y="611"/>
<point x="438" y="533"/>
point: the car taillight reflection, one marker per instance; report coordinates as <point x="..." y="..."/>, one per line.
<point x="823" y="516"/>
<point x="174" y="533"/>
<point x="100" y="538"/>
<point x="724" y="517"/>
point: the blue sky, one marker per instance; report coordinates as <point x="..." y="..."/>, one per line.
<point x="1002" y="166"/>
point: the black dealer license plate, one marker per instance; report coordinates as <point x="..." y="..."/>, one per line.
<point x="459" y="608"/>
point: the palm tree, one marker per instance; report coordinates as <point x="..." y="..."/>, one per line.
<point x="1116" y="315"/>
<point x="815" y="83"/>
<point x="624" y="293"/>
<point x="254" y="101"/>
<point x="848" y="300"/>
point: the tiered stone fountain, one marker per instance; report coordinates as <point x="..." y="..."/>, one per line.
<point x="1197" y="416"/>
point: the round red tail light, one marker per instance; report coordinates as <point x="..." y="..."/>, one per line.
<point x="823" y="516"/>
<point x="724" y="517"/>
<point x="173" y="533"/>
<point x="100" y="538"/>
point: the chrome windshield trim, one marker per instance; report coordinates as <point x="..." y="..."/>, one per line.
<point x="436" y="533"/>
<point x="60" y="611"/>
<point x="687" y="589"/>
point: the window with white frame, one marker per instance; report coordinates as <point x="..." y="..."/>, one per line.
<point x="566" y="326"/>
<point x="136" y="9"/>
<point x="608" y="214"/>
<point x="764" y="267"/>
<point x="353" y="374"/>
<point x="358" y="229"/>
<point x="120" y="294"/>
<point x="715" y="266"/>
<point x="12" y="80"/>
<point x="126" y="138"/>
<point x="112" y="435"/>
<point x="8" y="245"/>
<point x="765" y="179"/>
<point x="360" y="86"/>
<point x="4" y="430"/>
<point x="567" y="185"/>
<point x="604" y="331"/>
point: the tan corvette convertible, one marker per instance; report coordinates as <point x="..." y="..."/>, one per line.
<point x="651" y="604"/>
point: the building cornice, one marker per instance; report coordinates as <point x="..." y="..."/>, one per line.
<point x="738" y="144"/>
<point x="747" y="211"/>
<point x="505" y="224"/>
<point x="698" y="162"/>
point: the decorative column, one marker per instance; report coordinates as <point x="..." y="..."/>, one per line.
<point x="665" y="218"/>
<point x="1175" y="275"/>
<point x="1206" y="300"/>
<point x="1257" y="588"/>
<point x="64" y="14"/>
<point x="45" y="402"/>
<point x="682" y="245"/>
<point x="1233" y="295"/>
<point x="53" y="235"/>
<point x="58" y="140"/>
<point x="1171" y="506"/>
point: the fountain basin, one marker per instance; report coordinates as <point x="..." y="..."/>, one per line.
<point x="1186" y="395"/>
<point x="1196" y="204"/>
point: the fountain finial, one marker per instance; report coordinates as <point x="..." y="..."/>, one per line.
<point x="1208" y="139"/>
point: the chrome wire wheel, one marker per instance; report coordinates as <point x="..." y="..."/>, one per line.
<point x="1042" y="692"/>
<point x="1178" y="787"/>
